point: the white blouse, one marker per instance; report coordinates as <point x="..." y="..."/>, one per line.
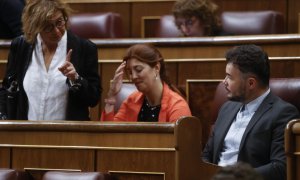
<point x="47" y="91"/>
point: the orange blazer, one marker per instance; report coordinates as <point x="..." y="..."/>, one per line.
<point x="173" y="106"/>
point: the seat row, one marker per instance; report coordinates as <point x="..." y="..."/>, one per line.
<point x="12" y="174"/>
<point x="109" y="24"/>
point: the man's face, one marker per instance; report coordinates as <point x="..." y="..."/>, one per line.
<point x="235" y="84"/>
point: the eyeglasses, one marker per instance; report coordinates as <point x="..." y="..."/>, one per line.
<point x="60" y="23"/>
<point x="187" y="22"/>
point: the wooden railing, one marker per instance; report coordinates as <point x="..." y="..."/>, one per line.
<point x="158" y="151"/>
<point x="292" y="149"/>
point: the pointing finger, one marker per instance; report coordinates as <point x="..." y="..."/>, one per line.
<point x="69" y="55"/>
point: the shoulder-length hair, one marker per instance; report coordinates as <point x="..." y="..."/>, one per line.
<point x="37" y="13"/>
<point x="204" y="10"/>
<point x="150" y="55"/>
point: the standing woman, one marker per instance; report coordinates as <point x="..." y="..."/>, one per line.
<point x="53" y="72"/>
<point x="156" y="100"/>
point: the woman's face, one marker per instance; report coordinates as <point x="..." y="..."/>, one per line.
<point x="190" y="27"/>
<point x="141" y="74"/>
<point x="54" y="29"/>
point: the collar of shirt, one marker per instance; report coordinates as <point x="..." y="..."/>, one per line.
<point x="252" y="106"/>
<point x="60" y="44"/>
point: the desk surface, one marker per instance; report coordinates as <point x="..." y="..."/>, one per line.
<point x="158" y="151"/>
<point x="201" y="47"/>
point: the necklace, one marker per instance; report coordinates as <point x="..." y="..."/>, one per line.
<point x="152" y="108"/>
<point x="149" y="113"/>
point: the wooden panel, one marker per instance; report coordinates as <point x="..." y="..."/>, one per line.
<point x="53" y="159"/>
<point x="142" y="9"/>
<point x="5" y="157"/>
<point x="55" y="138"/>
<point x="200" y="96"/>
<point x="152" y="150"/>
<point x="201" y="70"/>
<point x="3" y="64"/>
<point x="149" y="164"/>
<point x="148" y="24"/>
<point x="139" y="175"/>
<point x="292" y="14"/>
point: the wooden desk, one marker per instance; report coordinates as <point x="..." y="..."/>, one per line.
<point x="292" y="149"/>
<point x="286" y="45"/>
<point x="156" y="151"/>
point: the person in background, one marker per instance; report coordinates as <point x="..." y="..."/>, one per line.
<point x="156" y="100"/>
<point x="250" y="126"/>
<point x="10" y="18"/>
<point x="238" y="171"/>
<point x="54" y="72"/>
<point x="196" y="18"/>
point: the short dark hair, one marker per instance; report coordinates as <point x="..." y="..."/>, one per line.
<point x="251" y="59"/>
<point x="238" y="171"/>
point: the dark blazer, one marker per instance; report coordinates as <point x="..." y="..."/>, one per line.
<point x="262" y="144"/>
<point x="85" y="60"/>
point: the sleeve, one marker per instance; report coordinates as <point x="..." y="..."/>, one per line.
<point x="88" y="88"/>
<point x="107" y="116"/>
<point x="119" y="116"/>
<point x="179" y="109"/>
<point x="208" y="151"/>
<point x="127" y="112"/>
<point x="207" y="154"/>
<point x="276" y="169"/>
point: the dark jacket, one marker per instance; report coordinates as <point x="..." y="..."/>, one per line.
<point x="262" y="144"/>
<point x="10" y="18"/>
<point x="85" y="60"/>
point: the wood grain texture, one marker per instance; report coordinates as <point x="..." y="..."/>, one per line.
<point x="154" y="150"/>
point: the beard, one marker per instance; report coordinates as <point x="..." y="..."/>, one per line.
<point x="236" y="98"/>
<point x="239" y="96"/>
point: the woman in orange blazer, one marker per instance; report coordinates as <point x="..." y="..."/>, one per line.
<point x="156" y="99"/>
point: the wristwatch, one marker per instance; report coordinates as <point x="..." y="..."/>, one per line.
<point x="76" y="84"/>
<point x="3" y="116"/>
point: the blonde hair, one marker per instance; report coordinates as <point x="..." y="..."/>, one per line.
<point x="37" y="13"/>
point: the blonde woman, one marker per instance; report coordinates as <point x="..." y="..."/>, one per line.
<point x="54" y="71"/>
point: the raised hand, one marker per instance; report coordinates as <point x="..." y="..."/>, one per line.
<point x="116" y="83"/>
<point x="67" y="69"/>
<point x="115" y="87"/>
